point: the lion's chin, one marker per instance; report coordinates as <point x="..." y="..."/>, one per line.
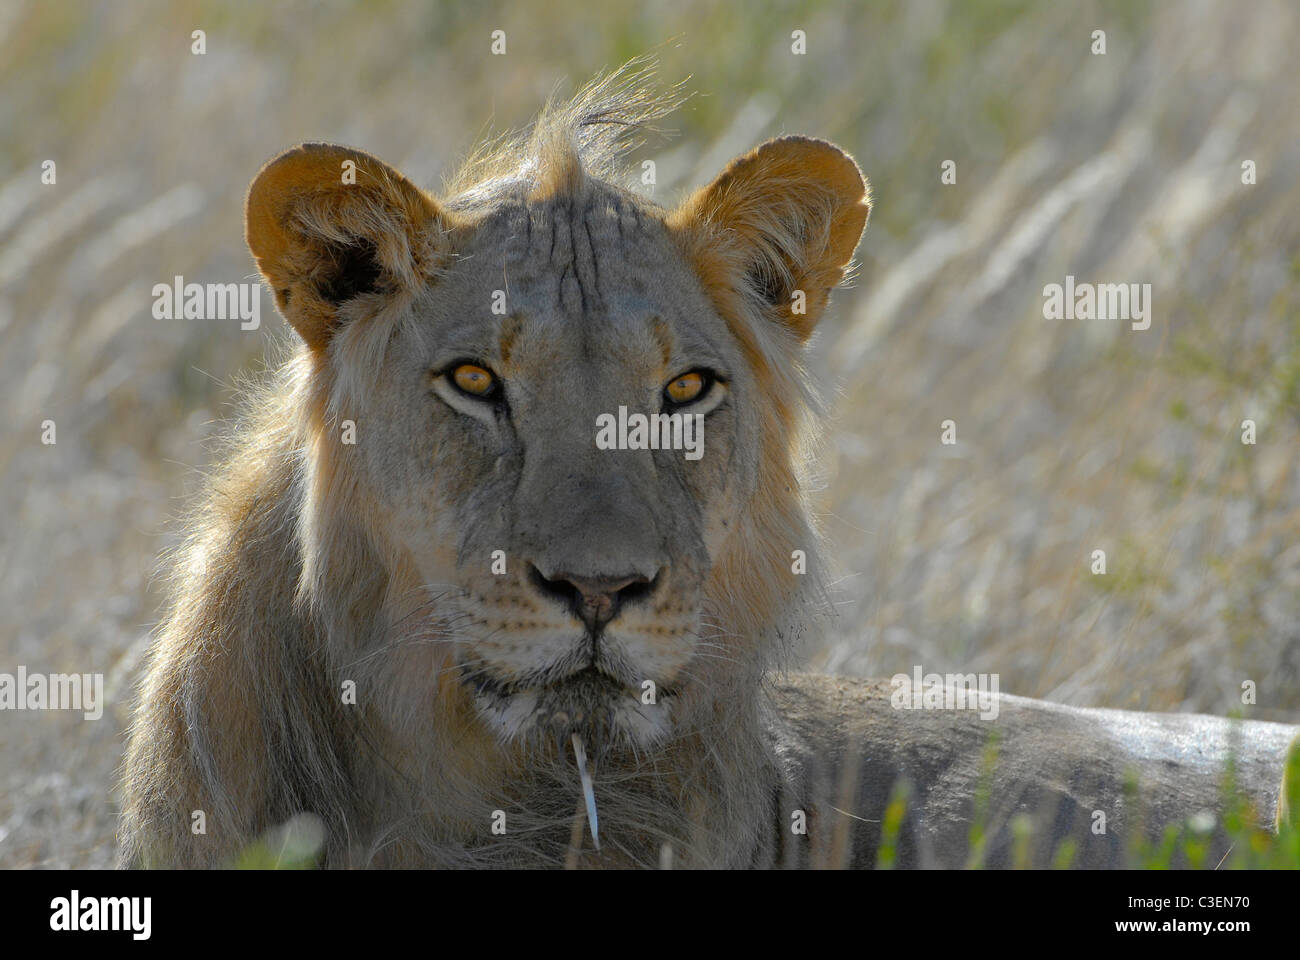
<point x="603" y="711"/>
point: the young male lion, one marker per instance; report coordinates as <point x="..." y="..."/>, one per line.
<point x="420" y="601"/>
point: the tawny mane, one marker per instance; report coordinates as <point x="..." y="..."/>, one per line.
<point x="297" y="581"/>
<point x="589" y="134"/>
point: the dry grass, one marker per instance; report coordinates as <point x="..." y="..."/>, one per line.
<point x="1073" y="435"/>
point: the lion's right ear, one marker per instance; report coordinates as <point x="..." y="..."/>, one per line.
<point x="780" y="221"/>
<point x="328" y="224"/>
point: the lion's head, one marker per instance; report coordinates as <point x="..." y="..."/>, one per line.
<point x="463" y="355"/>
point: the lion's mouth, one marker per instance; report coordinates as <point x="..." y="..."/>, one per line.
<point x="589" y="681"/>
<point x="590" y="701"/>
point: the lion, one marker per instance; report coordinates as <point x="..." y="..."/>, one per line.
<point x="421" y="603"/>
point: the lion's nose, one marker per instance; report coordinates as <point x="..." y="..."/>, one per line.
<point x="594" y="600"/>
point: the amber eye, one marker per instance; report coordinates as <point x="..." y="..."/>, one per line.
<point x="474" y="380"/>
<point x="687" y="387"/>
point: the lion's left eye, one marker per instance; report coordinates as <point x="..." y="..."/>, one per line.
<point x="689" y="387"/>
<point x="475" y="380"/>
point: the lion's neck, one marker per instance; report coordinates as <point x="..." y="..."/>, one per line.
<point x="437" y="787"/>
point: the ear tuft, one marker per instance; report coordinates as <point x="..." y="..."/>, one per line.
<point x="786" y="217"/>
<point x="327" y="224"/>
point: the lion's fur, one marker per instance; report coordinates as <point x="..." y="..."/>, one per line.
<point x="285" y="587"/>
<point x="309" y="563"/>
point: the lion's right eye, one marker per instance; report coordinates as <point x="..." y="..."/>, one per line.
<point x="474" y="380"/>
<point x="688" y="388"/>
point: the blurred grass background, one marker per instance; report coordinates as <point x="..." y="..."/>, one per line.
<point x="1072" y="435"/>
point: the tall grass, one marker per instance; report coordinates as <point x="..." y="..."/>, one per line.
<point x="1072" y="436"/>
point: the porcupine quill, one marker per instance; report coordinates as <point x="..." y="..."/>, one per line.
<point x="588" y="791"/>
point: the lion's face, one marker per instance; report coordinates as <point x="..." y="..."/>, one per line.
<point x="574" y="573"/>
<point x="574" y="413"/>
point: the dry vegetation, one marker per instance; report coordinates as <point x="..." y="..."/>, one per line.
<point x="1072" y="435"/>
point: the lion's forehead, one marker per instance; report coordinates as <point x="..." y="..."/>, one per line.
<point x="596" y="272"/>
<point x="579" y="254"/>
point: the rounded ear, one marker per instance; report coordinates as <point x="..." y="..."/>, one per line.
<point x="785" y="219"/>
<point x="327" y="224"/>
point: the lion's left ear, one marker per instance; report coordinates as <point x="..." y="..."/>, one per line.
<point x="329" y="224"/>
<point x="780" y="221"/>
